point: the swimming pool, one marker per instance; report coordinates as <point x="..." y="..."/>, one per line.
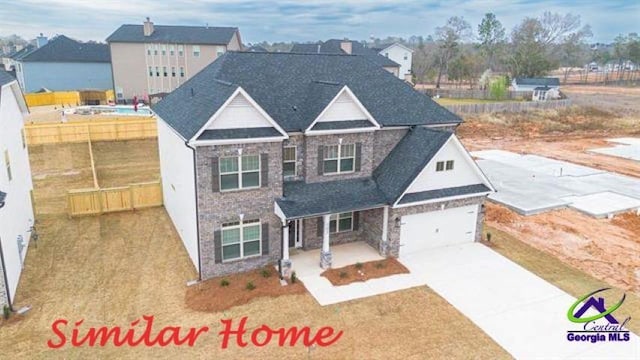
<point x="114" y="110"/>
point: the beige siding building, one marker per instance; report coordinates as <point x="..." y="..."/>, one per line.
<point x="153" y="59"/>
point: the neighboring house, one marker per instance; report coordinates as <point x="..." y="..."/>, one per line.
<point x="11" y="62"/>
<point x="260" y="152"/>
<point x="152" y="59"/>
<point x="16" y="210"/>
<point x="401" y="55"/>
<point x="544" y="93"/>
<point x="341" y="47"/>
<point x="256" y="48"/>
<point x="529" y="84"/>
<point x="64" y="64"/>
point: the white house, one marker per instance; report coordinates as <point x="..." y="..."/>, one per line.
<point x="401" y="55"/>
<point x="530" y="84"/>
<point x="16" y="209"/>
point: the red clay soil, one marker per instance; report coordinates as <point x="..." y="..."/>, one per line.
<point x="212" y="296"/>
<point x="364" y="271"/>
<point x="605" y="249"/>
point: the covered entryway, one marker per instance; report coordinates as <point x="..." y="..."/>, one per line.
<point x="433" y="229"/>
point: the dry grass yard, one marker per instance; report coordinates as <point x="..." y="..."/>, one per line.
<point x="110" y="270"/>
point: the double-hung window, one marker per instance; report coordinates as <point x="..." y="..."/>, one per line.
<point x="341" y="222"/>
<point x="181" y="71"/>
<point x="241" y="239"/>
<point x="196" y="50"/>
<point x="339" y="159"/>
<point x="173" y="71"/>
<point x="164" y="49"/>
<point x="164" y="71"/>
<point x="150" y="71"/>
<point x="180" y="50"/>
<point x="172" y="50"/>
<point x="239" y="172"/>
<point x="289" y="157"/>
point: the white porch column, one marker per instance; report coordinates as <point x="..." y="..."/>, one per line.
<point x="385" y="230"/>
<point x="285" y="262"/>
<point x="325" y="254"/>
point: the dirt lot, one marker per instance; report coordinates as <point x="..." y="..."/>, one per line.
<point x="112" y="269"/>
<point x="605" y="249"/>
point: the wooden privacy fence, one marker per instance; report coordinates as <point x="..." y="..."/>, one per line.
<point x="37" y="134"/>
<point x="126" y="198"/>
<point x="475" y="94"/>
<point x="507" y="106"/>
<point x="71" y="98"/>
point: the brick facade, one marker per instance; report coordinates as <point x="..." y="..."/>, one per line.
<point x="298" y="142"/>
<point x="311" y="155"/>
<point x="216" y="208"/>
<point x="384" y="142"/>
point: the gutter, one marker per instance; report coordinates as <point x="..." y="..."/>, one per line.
<point x="195" y="187"/>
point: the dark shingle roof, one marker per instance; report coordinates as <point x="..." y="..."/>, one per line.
<point x="407" y="159"/>
<point x="340" y="125"/>
<point x="247" y="133"/>
<point x="5" y="78"/>
<point x="63" y="49"/>
<point x="205" y="35"/>
<point x="440" y="193"/>
<point x="301" y="199"/>
<point x="23" y="52"/>
<point x="294" y="88"/>
<point x="550" y="81"/>
<point x="333" y="47"/>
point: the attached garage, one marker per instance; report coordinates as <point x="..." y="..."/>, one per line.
<point x="419" y="232"/>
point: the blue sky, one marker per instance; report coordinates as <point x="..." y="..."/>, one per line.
<point x="302" y="20"/>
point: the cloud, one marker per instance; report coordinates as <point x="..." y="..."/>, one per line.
<point x="308" y="20"/>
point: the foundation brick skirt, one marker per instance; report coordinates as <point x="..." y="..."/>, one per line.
<point x="325" y="259"/>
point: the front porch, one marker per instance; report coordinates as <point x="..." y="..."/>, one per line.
<point x="305" y="263"/>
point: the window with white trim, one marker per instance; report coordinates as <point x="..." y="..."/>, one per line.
<point x="172" y="50"/>
<point x="241" y="239"/>
<point x="289" y="157"/>
<point x="155" y="49"/>
<point x="239" y="172"/>
<point x="150" y="71"/>
<point x="341" y="222"/>
<point x="181" y="71"/>
<point x="196" y="50"/>
<point x="164" y="71"/>
<point x="339" y="159"/>
<point x="180" y="50"/>
<point x="164" y="49"/>
<point x="149" y="49"/>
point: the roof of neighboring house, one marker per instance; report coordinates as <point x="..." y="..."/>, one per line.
<point x="294" y="89"/>
<point x="205" y="35"/>
<point x="64" y="49"/>
<point x="545" y="81"/>
<point x="23" y="52"/>
<point x="540" y="88"/>
<point x="381" y="47"/>
<point x="407" y="159"/>
<point x="5" y="78"/>
<point x="333" y="47"/>
<point x="302" y="199"/>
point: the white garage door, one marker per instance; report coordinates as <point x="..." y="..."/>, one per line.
<point x="437" y="228"/>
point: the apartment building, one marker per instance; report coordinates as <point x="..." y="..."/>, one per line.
<point x="149" y="59"/>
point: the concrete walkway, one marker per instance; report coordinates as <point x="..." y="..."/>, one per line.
<point x="520" y="311"/>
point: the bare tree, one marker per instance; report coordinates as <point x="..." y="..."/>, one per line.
<point x="448" y="39"/>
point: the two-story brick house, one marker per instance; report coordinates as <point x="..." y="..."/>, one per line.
<point x="263" y="152"/>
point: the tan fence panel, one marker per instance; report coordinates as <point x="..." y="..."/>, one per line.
<point x="480" y="108"/>
<point x="84" y="202"/>
<point x="146" y="195"/>
<point x="116" y="199"/>
<point x="118" y="129"/>
<point x="99" y="201"/>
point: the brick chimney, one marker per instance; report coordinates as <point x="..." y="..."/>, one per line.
<point x="346" y="46"/>
<point x="148" y="27"/>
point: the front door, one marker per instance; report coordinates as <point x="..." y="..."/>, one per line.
<point x="295" y="234"/>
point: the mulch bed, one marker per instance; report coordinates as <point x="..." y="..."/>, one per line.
<point x="212" y="296"/>
<point x="364" y="271"/>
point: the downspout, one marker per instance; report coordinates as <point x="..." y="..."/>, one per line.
<point x="195" y="187"/>
<point x="6" y="280"/>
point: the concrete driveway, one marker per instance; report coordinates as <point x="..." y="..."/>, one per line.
<point x="520" y="311"/>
